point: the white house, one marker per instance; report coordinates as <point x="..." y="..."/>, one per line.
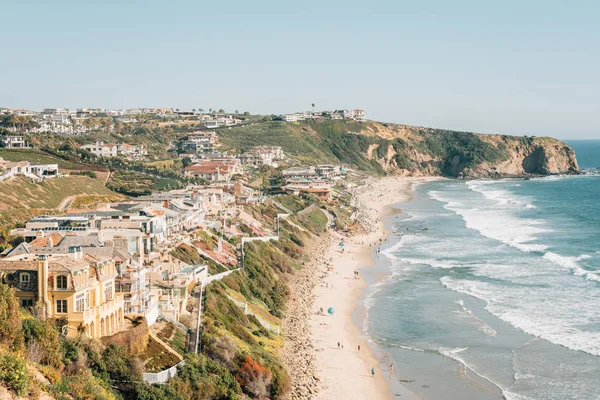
<point x="13" y="142"/>
<point x="101" y="150"/>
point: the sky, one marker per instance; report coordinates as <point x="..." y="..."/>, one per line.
<point x="516" y="67"/>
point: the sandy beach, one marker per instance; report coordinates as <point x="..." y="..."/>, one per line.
<point x="346" y="372"/>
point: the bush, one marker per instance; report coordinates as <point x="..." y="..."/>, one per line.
<point x="14" y="373"/>
<point x="11" y="335"/>
<point x="42" y="341"/>
<point x="254" y="377"/>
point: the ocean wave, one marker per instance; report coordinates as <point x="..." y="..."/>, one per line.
<point x="497" y="221"/>
<point x="558" y="325"/>
<point x="571" y="263"/>
<point x="454" y="354"/>
<point x="479" y="324"/>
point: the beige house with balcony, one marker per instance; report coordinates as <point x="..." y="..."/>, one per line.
<point x="74" y="287"/>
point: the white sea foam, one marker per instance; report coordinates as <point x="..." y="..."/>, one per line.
<point x="479" y="324"/>
<point x="526" y="309"/>
<point x="572" y="264"/>
<point x="496" y="218"/>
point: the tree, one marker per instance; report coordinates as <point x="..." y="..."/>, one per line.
<point x="313" y="106"/>
<point x="221" y="111"/>
<point x="246" y="112"/>
<point x="186" y="161"/>
<point x="177" y="109"/>
<point x="210" y="110"/>
<point x="237" y="111"/>
<point x="201" y="110"/>
<point x="193" y="110"/>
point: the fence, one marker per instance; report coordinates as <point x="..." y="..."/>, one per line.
<point x="162" y="376"/>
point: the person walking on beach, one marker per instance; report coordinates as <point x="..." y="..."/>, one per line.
<point x="391" y="370"/>
<point x="359" y="348"/>
<point x="373" y="372"/>
<point x="338" y="345"/>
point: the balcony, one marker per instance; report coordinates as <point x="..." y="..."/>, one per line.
<point x="102" y="311"/>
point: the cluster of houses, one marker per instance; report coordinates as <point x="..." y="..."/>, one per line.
<point x="356" y="115"/>
<point x="93" y="267"/>
<point x="66" y="121"/>
<point x="207" y="162"/>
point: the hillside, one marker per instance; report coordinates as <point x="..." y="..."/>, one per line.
<point x="20" y="198"/>
<point x="383" y="148"/>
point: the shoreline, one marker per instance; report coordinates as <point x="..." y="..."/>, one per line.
<point x="345" y="373"/>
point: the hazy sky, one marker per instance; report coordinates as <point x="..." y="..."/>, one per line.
<point x="521" y="67"/>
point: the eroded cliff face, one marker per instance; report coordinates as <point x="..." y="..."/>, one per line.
<point x="417" y="151"/>
<point x="527" y="156"/>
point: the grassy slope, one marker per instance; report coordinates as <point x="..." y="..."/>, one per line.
<point x="36" y="156"/>
<point x="20" y="198"/>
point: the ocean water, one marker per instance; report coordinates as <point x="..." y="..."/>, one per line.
<point x="492" y="289"/>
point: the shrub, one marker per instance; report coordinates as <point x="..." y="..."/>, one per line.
<point x="14" y="373"/>
<point x="42" y="342"/>
<point x="10" y="319"/>
<point x="254" y="377"/>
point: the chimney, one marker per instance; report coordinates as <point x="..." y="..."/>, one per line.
<point x="166" y="204"/>
<point x="50" y="242"/>
<point x="43" y="283"/>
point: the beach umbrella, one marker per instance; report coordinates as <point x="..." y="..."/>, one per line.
<point x="330" y="310"/>
<point x="341" y="243"/>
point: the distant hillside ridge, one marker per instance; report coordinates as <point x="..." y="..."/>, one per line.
<point x="394" y="149"/>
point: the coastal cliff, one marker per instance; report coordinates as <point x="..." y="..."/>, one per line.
<point x="393" y="149"/>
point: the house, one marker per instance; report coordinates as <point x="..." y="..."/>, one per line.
<point x="135" y="152"/>
<point x="75" y="288"/>
<point x="306" y="173"/>
<point x="100" y="149"/>
<point x="199" y="142"/>
<point x="12" y="142"/>
<point x="37" y="172"/>
<point x="359" y="115"/>
<point x="211" y="172"/>
<point x="322" y="192"/>
<point x="256" y="159"/>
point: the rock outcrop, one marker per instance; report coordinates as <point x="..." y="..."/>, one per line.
<point x="420" y="151"/>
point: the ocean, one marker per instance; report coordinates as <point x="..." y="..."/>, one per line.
<point x="492" y="288"/>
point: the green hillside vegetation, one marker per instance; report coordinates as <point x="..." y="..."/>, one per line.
<point x="367" y="145"/>
<point x="38" y="157"/>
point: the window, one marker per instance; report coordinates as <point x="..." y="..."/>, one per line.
<point x="24" y="277"/>
<point x="61" y="282"/>
<point x="80" y="302"/>
<point x="108" y="291"/>
<point x="61" y="306"/>
<point x="27" y="303"/>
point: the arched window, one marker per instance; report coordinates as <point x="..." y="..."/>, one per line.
<point x="24" y="276"/>
<point x="61" y="282"/>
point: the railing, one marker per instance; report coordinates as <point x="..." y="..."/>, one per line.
<point x="162" y="376"/>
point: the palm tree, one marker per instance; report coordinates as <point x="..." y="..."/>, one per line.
<point x="210" y="110"/>
<point x="177" y="109"/>
<point x="194" y="110"/>
<point x="313" y="107"/>
<point x="237" y="111"/>
<point x="200" y="110"/>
